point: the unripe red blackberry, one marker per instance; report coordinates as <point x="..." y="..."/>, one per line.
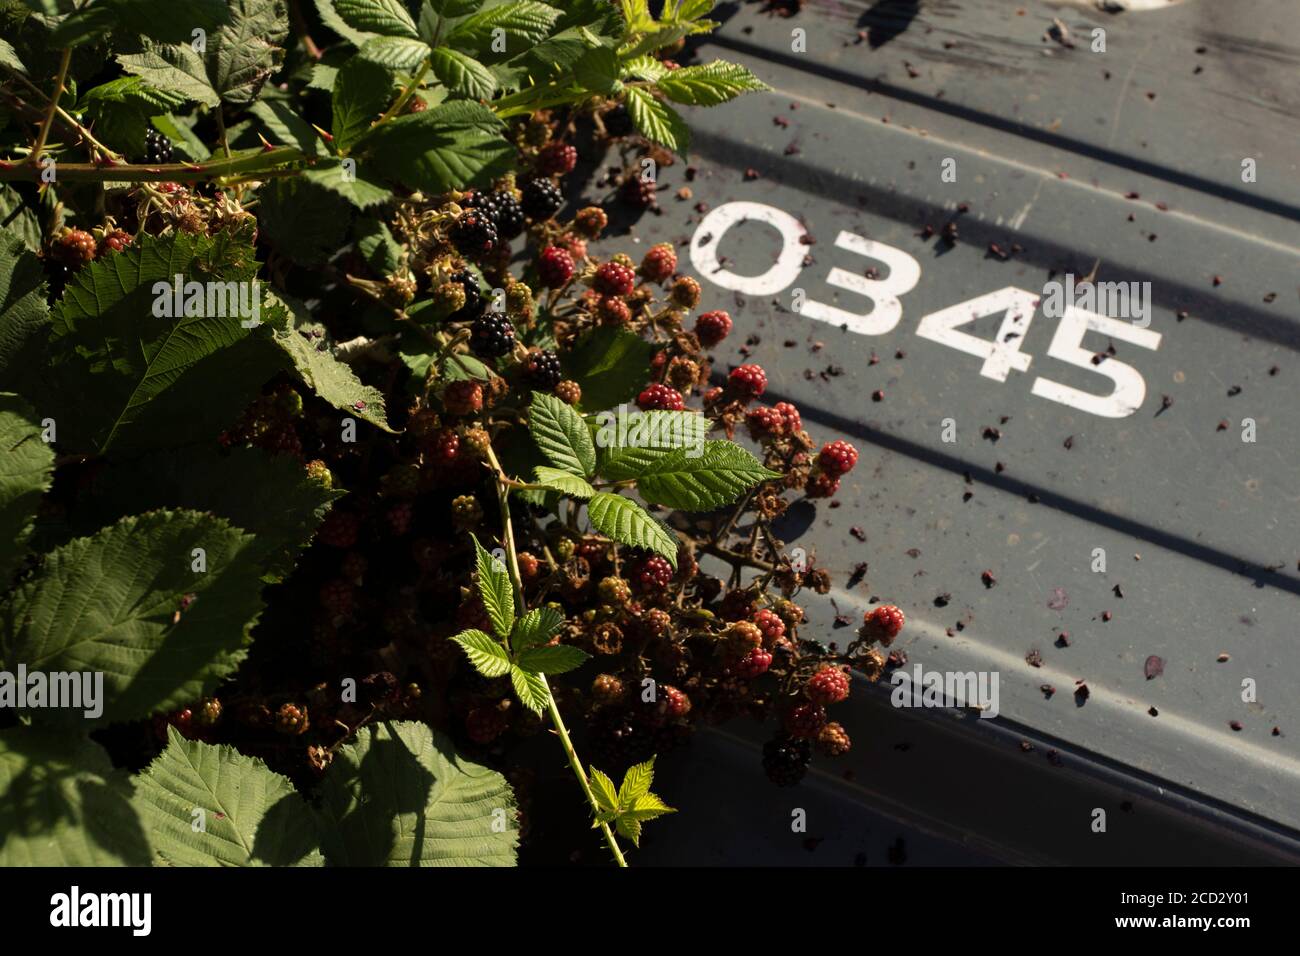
<point x="883" y="623"/>
<point x="805" y="719"/>
<point x="770" y="623"/>
<point x="445" y="448"/>
<point x="737" y="605"/>
<point x="829" y="685"/>
<point x="748" y="381"/>
<point x="291" y="719"/>
<point x="685" y="292"/>
<point x="485" y="724"/>
<point x="754" y="664"/>
<point x="833" y="740"/>
<point x="712" y="327"/>
<point x="615" y="591"/>
<point x="74" y="247"/>
<point x="741" y="638"/>
<point x="607" y="689"/>
<point x="613" y="311"/>
<point x="614" y="278"/>
<point x="837" y="458"/>
<point x="764" y="422"/>
<point x="557" y="159"/>
<point x="672" y="703"/>
<point x="464" y="397"/>
<point x="655" y="622"/>
<point x="529" y="566"/>
<point x="821" y="485"/>
<point x="591" y="221"/>
<point x="659" y="264"/>
<point x="114" y="241"/>
<point x="793" y="420"/>
<point x="660" y="396"/>
<point x="654" y="573"/>
<point x="555" y="267"/>
<point x="637" y="192"/>
<point x="320" y="473"/>
<point x="208" y="712"/>
<point x="568" y="392"/>
<point x="791" y="614"/>
<point x="399" y="518"/>
<point x="466" y="511"/>
<point x="785" y="760"/>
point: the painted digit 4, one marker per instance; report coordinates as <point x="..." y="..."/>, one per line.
<point x="1001" y="355"/>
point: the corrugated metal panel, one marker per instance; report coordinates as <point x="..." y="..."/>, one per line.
<point x="1126" y="164"/>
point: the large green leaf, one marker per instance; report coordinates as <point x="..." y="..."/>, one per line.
<point x="63" y="805"/>
<point x="561" y="435"/>
<point x="400" y="796"/>
<point x="210" y="805"/>
<point x="302" y="220"/>
<point x="628" y="523"/>
<point x="128" y="376"/>
<point x="386" y="17"/>
<point x="24" y="318"/>
<point x="174" y="67"/>
<point x="450" y="146"/>
<point x="463" y="74"/>
<point x="610" y="364"/>
<point x="26" y="472"/>
<point x="395" y="53"/>
<point x="332" y="380"/>
<point x="246" y="52"/>
<point x="287" y="128"/>
<point x="172" y="21"/>
<point x="19" y="221"/>
<point x="657" y="121"/>
<point x="347" y="182"/>
<point x="116" y="603"/>
<point x="629" y="444"/>
<point x="522" y="23"/>
<point x="536" y="627"/>
<point x="693" y="479"/>
<point x="362" y="91"/>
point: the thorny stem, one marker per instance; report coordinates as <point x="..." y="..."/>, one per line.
<point x="64" y="60"/>
<point x="265" y="161"/>
<point x="508" y="536"/>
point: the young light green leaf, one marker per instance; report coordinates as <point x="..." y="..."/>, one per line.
<point x="462" y="74"/>
<point x="131" y="602"/>
<point x="643" y="68"/>
<point x="495" y="588"/>
<point x="64" y="805"/>
<point x="636" y="782"/>
<point x="530" y="688"/>
<point x="561" y="435"/>
<point x="552" y="658"/>
<point x="629" y="828"/>
<point x="717" y="476"/>
<point x="654" y="40"/>
<point x="536" y="627"/>
<point x="386" y="17"/>
<point x="657" y="121"/>
<point x="362" y="90"/>
<point x="710" y="84"/>
<point x="485" y="652"/>
<point x="628" y="523"/>
<point x="400" y="795"/>
<point x="26" y="473"/>
<point x="563" y="482"/>
<point x="251" y="815"/>
<point x="646" y="807"/>
<point x="602" y="788"/>
<point x="395" y="53"/>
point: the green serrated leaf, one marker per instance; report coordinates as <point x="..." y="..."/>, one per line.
<point x="174" y="67"/>
<point x="598" y="70"/>
<point x="655" y="39"/>
<point x="129" y="602"/>
<point x="243" y="54"/>
<point x="530" y="688"/>
<point x="377" y="245"/>
<point x="287" y="128"/>
<point x="20" y="223"/>
<point x="63" y="805"/>
<point x="643" y="68"/>
<point x="9" y="57"/>
<point x="610" y="364"/>
<point x="561" y="435"/>
<point x="462" y="74"/>
<point x="395" y="53"/>
<point x="629" y="828"/>
<point x="523" y="23"/>
<point x="399" y="795"/>
<point x="536" y="627"/>
<point x="563" y="482"/>
<point x="628" y="523"/>
<point x="496" y="590"/>
<point x="451" y="146"/>
<point x="386" y="17"/>
<point x="24" y="317"/>
<point x="346" y="182"/>
<point x="657" y="121"/>
<point x="362" y="91"/>
<point x="636" y="782"/>
<point x="331" y="380"/>
<point x="485" y="652"/>
<point x="330" y="17"/>
<point x="602" y="788"/>
<point x="552" y="659"/>
<point x="710" y="84"/>
<point x="630" y="443"/>
<point x="26" y="473"/>
<point x="711" y="478"/>
<point x="246" y="814"/>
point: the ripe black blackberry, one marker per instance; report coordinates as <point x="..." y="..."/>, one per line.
<point x="474" y="234"/>
<point x="542" y="199"/>
<point x="544" y="370"/>
<point x="785" y="760"/>
<point x="473" y="297"/>
<point x="157" y="148"/>
<point x="508" y="215"/>
<point x="491" y="335"/>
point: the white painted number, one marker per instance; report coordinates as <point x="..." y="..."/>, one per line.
<point x="1130" y="388"/>
<point x="886" y="310"/>
<point x="1001" y="355"/>
<point x="704" y="251"/>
